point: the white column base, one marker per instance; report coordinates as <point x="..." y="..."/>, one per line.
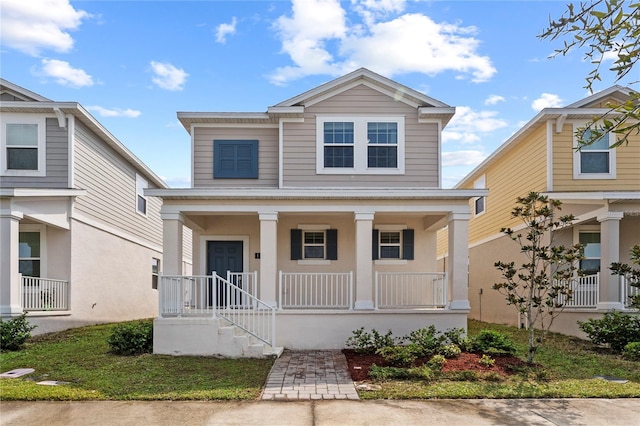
<point x="460" y="305"/>
<point x="364" y="305"/>
<point x="610" y="306"/>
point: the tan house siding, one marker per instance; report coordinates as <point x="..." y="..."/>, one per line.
<point x="57" y="162"/>
<point x="267" y="156"/>
<point x="421" y="143"/>
<point x="110" y="182"/>
<point x="627" y="166"/>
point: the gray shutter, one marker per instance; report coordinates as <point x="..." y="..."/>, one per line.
<point x="374" y="245"/>
<point x="407" y="244"/>
<point x="332" y="244"/>
<point x="296" y="244"/>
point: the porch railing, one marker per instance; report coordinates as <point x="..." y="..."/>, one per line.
<point x="411" y="290"/>
<point x="248" y="281"/>
<point x="586" y="292"/>
<point x="299" y="290"/>
<point x="627" y="290"/>
<point x="44" y="294"/>
<point x="212" y="295"/>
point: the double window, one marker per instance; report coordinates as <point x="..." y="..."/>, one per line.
<point x="235" y="159"/>
<point x="314" y="244"/>
<point x="360" y="145"/>
<point x="23" y="145"/>
<point x="595" y="161"/>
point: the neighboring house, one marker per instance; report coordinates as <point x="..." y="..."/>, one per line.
<point x="311" y="220"/>
<point x="80" y="241"/>
<point x="600" y="186"/>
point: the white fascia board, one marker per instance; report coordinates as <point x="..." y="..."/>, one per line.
<point x="285" y="110"/>
<point x="41" y="192"/>
<point x="602" y="94"/>
<point x="22" y="91"/>
<point x="594" y="195"/>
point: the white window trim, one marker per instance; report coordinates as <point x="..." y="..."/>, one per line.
<point x="40" y="121"/>
<point x="314" y="228"/>
<point x="42" y="229"/>
<point x="480" y="183"/>
<point x="390" y="228"/>
<point x="360" y="145"/>
<point x="141" y="184"/>
<point x="577" y="174"/>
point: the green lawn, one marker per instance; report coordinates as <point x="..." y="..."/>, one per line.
<point x="81" y="357"/>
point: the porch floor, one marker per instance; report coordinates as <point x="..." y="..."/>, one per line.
<point x="310" y="375"/>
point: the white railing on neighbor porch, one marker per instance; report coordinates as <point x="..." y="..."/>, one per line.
<point x="627" y="290"/>
<point x="300" y="290"/>
<point x="586" y="292"/>
<point x="44" y="294"/>
<point x="411" y="290"/>
<point x="204" y="295"/>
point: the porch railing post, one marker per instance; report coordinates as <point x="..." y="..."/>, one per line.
<point x="280" y="293"/>
<point x="376" y="290"/>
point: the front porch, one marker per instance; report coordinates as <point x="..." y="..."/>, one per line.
<point x="586" y="292"/>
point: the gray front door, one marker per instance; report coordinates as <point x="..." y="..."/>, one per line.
<point x="223" y="256"/>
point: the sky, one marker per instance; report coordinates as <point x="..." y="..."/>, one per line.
<point x="135" y="64"/>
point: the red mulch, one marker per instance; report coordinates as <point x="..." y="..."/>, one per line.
<point x="359" y="364"/>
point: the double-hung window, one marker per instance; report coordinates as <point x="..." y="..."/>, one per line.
<point x="141" y="199"/>
<point x="23" y="145"/>
<point x="360" y="144"/>
<point x="595" y="161"/>
<point x="479" y="202"/>
<point x="590" y="242"/>
<point x="314" y="243"/>
<point x="29" y="252"/>
<point x="392" y="243"/>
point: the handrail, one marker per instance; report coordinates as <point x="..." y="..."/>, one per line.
<point x="315" y="290"/>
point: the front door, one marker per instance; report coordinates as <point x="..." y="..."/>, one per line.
<point x="223" y="256"/>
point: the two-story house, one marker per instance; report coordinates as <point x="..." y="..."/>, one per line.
<point x="313" y="219"/>
<point x="600" y="186"/>
<point x="80" y="242"/>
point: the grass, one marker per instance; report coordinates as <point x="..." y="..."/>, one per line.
<point x="81" y="358"/>
<point x="567" y="367"/>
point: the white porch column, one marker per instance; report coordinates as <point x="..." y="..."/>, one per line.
<point x="610" y="295"/>
<point x="364" y="264"/>
<point x="172" y="230"/>
<point x="10" y="285"/>
<point x="458" y="266"/>
<point x="268" y="278"/>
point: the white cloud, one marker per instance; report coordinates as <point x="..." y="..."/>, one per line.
<point x="223" y="30"/>
<point x="546" y="100"/>
<point x="36" y="25"/>
<point x="462" y="158"/>
<point x="494" y="99"/>
<point x="167" y="76"/>
<point x="465" y="126"/>
<point x="114" y="112"/>
<point x="388" y="45"/>
<point x="65" y="74"/>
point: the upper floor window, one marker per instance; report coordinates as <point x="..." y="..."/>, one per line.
<point x="141" y="199"/>
<point x="235" y="159"/>
<point x="479" y="202"/>
<point x="23" y="145"/>
<point x="360" y="145"/>
<point x="595" y="161"/>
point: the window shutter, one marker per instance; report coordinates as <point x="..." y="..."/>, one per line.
<point x="296" y="244"/>
<point x="235" y="159"/>
<point x="374" y="245"/>
<point x="407" y="244"/>
<point x="332" y="244"/>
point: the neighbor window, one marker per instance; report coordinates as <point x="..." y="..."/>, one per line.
<point x="141" y="200"/>
<point x="29" y="254"/>
<point x="155" y="271"/>
<point x="235" y="159"/>
<point x="23" y="140"/>
<point x="479" y="202"/>
<point x="360" y="145"/>
<point x="595" y="161"/>
<point x="590" y="242"/>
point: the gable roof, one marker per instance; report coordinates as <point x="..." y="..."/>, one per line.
<point x="581" y="110"/>
<point x="428" y="107"/>
<point x="35" y="103"/>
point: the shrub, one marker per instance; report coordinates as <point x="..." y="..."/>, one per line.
<point x="462" y="376"/>
<point x="15" y="332"/>
<point x="493" y="343"/>
<point x="450" y="351"/>
<point x="364" y="342"/>
<point x="457" y="337"/>
<point x="631" y="351"/>
<point x="381" y="374"/>
<point x="437" y="362"/>
<point x="614" y="329"/>
<point x="427" y="341"/>
<point x="132" y="338"/>
<point x="423" y="372"/>
<point x="399" y="356"/>
<point x="486" y="361"/>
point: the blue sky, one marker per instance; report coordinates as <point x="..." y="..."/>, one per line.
<point x="134" y="64"/>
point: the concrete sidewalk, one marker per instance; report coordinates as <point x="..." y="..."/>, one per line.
<point x="610" y="412"/>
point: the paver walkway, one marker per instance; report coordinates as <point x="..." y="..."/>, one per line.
<point x="304" y="375"/>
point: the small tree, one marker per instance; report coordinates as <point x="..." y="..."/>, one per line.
<point x="631" y="274"/>
<point x="541" y="286"/>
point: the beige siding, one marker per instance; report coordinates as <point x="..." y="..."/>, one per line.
<point x="110" y="182"/>
<point x="267" y="156"/>
<point x="518" y="172"/>
<point x="421" y="143"/>
<point x="627" y="166"/>
<point x="57" y="162"/>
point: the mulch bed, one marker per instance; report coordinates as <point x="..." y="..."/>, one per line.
<point x="359" y="364"/>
